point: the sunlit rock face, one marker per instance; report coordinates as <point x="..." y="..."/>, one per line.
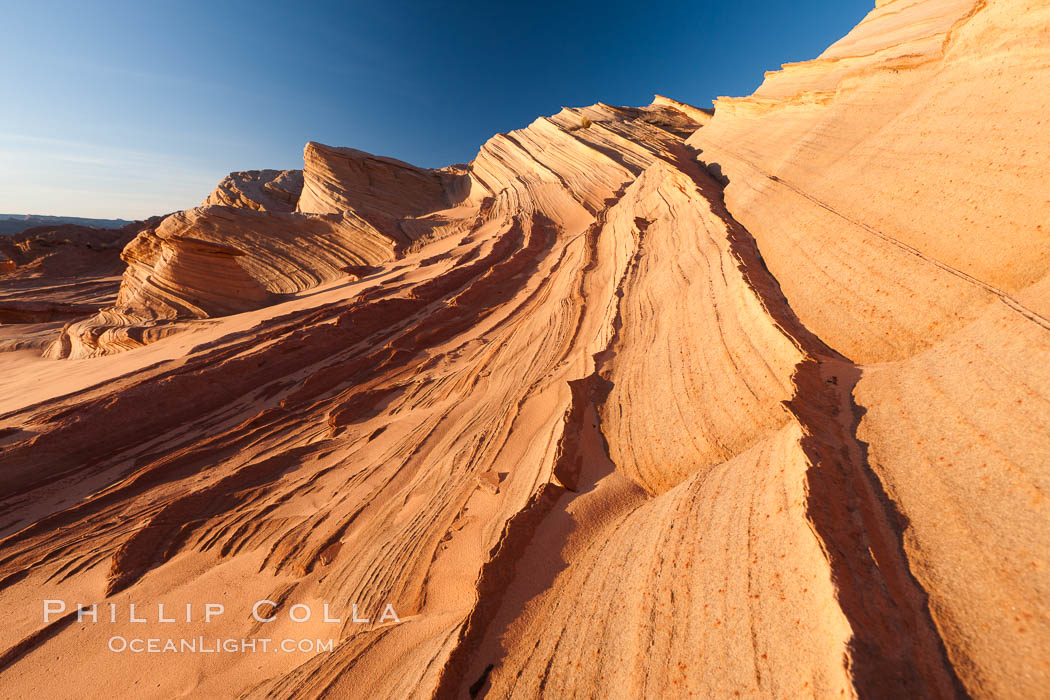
<point x="262" y="190"/>
<point x="906" y="162"/>
<point x="896" y="187"/>
<point x="219" y="260"/>
<point x="640" y="402"/>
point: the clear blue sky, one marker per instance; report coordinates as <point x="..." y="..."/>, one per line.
<point x="127" y="109"/>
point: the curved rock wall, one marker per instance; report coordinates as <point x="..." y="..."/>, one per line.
<point x="904" y="165"/>
<point x="896" y="189"/>
<point x="591" y="424"/>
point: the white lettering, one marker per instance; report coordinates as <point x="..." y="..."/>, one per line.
<point x="53" y="607"/>
<point x="84" y="611"/>
<point x="259" y="604"/>
<point x="299" y="606"/>
<point x="389" y="614"/>
<point x="213" y="610"/>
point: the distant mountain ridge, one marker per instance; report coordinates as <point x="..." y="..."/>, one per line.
<point x="16" y="223"/>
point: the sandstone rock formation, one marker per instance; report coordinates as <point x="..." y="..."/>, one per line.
<point x="218" y="260"/>
<point x="593" y="424"/>
<point x="879" y="157"/>
<point x="53" y="274"/>
<point x="262" y="190"/>
<point x="904" y="167"/>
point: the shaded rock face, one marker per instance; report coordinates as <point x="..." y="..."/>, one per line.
<point x="57" y="273"/>
<point x="65" y="250"/>
<point x="592" y="423"/>
<point x="16" y="223"/>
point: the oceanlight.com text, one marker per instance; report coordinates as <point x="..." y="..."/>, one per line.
<point x="216" y="645"/>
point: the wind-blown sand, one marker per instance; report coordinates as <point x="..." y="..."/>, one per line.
<point x="642" y="402"/>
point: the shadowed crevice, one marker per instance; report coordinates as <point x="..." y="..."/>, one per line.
<point x="895" y="650"/>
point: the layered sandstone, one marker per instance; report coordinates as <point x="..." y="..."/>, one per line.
<point x="904" y="167"/>
<point x="262" y="190"/>
<point x="54" y="274"/>
<point x="903" y="162"/>
<point x="640" y="402"/>
<point x="219" y="260"/>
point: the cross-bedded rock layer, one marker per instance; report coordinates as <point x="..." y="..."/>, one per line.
<point x="592" y="424"/>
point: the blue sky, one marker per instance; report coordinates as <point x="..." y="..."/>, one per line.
<point x="127" y="109"/>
